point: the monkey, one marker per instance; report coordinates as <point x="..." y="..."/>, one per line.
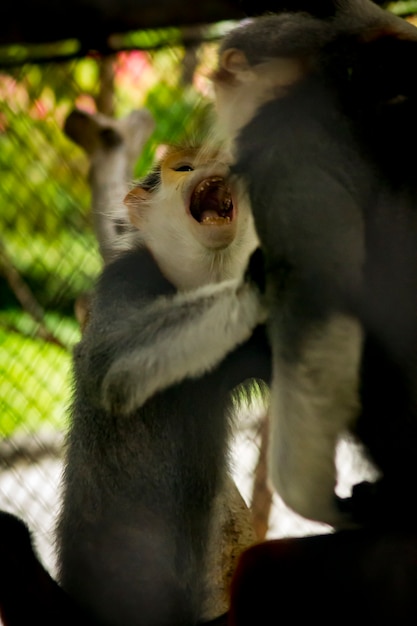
<point x="176" y="325"/>
<point x="326" y="104"/>
<point x="219" y="245"/>
<point x="111" y="146"/>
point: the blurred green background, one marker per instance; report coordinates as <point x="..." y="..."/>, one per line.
<point x="48" y="251"/>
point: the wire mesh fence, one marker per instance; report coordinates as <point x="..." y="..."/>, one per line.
<point x="49" y="257"/>
<point x="49" y="253"/>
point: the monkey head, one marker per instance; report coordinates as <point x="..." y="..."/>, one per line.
<point x="241" y="88"/>
<point x="192" y="218"/>
<point x="265" y="59"/>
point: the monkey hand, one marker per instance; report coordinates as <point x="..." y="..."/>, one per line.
<point x="117" y="392"/>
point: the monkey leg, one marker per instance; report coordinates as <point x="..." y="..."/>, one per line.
<point x="313" y="401"/>
<point x="231" y="533"/>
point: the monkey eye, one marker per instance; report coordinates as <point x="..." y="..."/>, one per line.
<point x="183" y="168"/>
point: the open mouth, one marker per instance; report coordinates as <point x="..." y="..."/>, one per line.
<point x="211" y="202"/>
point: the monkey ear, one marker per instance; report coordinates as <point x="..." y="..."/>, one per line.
<point x="235" y="62"/>
<point x="134" y="201"/>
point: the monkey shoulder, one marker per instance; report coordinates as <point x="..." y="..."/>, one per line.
<point x="134" y="274"/>
<point x="124" y="289"/>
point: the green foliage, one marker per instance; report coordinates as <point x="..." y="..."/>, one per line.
<point x="19" y="53"/>
<point x="187" y="118"/>
<point x="64" y="329"/>
<point x="35" y="383"/>
<point x="46" y="230"/>
<point x="146" y="39"/>
<point x="403" y="7"/>
<point x="56" y="272"/>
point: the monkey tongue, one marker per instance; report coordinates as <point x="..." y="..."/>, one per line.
<point x="211" y="202"/>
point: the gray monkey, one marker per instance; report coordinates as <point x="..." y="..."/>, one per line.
<point x="176" y="325"/>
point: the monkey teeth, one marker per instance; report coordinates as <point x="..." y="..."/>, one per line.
<point x="216" y="220"/>
<point x="211" y="202"/>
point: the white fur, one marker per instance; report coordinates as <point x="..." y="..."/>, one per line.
<point x="236" y="103"/>
<point x="183" y="336"/>
<point x="188" y="253"/>
<point x="186" y="257"/>
<point x="313" y="402"/>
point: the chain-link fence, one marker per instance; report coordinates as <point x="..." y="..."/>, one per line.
<point x="49" y="258"/>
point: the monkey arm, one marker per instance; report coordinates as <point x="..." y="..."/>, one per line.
<point x="179" y="337"/>
<point x="137" y="345"/>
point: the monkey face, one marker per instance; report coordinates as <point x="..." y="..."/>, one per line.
<point x="191" y="190"/>
<point x="192" y="218"/>
<point x="197" y="183"/>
